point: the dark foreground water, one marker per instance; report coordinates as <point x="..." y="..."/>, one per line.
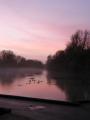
<point x="42" y="84"/>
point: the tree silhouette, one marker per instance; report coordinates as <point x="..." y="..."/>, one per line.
<point x="76" y="56"/>
<point x="79" y="41"/>
<point x="9" y="59"/>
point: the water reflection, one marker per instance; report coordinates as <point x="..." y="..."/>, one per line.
<point x="8" y="76"/>
<point x="29" y="83"/>
<point x="75" y="85"/>
<point x="43" y="84"/>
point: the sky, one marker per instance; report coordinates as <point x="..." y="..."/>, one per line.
<point x="37" y="28"/>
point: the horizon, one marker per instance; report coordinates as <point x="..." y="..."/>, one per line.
<point x="35" y="29"/>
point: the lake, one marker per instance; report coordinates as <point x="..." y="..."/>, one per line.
<point x="39" y="83"/>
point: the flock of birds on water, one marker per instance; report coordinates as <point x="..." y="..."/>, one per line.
<point x="32" y="80"/>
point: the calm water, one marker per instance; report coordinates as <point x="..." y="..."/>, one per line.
<point x="42" y="84"/>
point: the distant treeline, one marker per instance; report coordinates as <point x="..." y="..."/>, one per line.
<point x="9" y="59"/>
<point x="76" y="56"/>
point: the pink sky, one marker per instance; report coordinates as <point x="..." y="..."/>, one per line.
<point x="35" y="28"/>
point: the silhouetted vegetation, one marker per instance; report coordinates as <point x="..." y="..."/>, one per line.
<point x="9" y="59"/>
<point x="76" y="56"/>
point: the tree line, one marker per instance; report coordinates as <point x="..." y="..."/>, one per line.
<point x="76" y="55"/>
<point x="10" y="59"/>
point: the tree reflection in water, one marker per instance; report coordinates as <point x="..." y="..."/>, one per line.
<point x="75" y="85"/>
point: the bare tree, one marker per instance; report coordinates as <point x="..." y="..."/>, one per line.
<point x="79" y="41"/>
